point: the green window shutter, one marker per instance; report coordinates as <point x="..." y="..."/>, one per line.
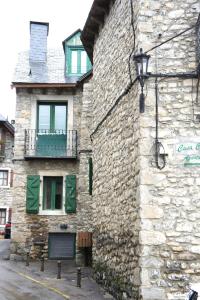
<point x="32" y="194"/>
<point x="90" y="175"/>
<point x="70" y="199"/>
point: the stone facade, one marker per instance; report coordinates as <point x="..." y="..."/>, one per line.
<point x="6" y="196"/>
<point x="27" y="227"/>
<point x="52" y="207"/>
<point x="146" y="220"/>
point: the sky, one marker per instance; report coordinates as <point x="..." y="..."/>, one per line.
<point x="64" y="17"/>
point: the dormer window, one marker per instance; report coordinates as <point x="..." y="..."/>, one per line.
<point x="76" y="59"/>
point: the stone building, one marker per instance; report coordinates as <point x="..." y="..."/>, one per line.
<point x="51" y="211"/>
<point x="146" y="165"/>
<point x="6" y="171"/>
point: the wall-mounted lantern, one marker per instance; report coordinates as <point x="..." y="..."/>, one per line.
<point x="63" y="226"/>
<point x="141" y="62"/>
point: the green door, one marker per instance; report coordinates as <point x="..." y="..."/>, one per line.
<point x="52" y="130"/>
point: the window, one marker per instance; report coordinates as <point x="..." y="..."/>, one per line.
<point x="3" y="178"/>
<point x="78" y="62"/>
<point x="53" y="187"/>
<point x="52" y="126"/>
<point x="55" y="196"/>
<point x="52" y="116"/>
<point x="2" y="216"/>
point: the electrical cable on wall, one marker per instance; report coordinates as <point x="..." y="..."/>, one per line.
<point x="197" y="89"/>
<point x="193" y="109"/>
<point x="158" y="144"/>
<point x="170" y="39"/>
<point x="160" y="154"/>
<point x="134" y="38"/>
<point x="130" y="84"/>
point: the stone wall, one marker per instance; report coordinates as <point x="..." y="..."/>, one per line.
<point x="6" y="163"/>
<point x="85" y="152"/>
<point x="116" y="158"/>
<point x="169" y="206"/>
<point x="146" y="220"/>
<point x="27" y="227"/>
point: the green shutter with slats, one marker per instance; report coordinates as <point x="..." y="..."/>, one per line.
<point x="32" y="194"/>
<point x="70" y="196"/>
<point x="90" y="175"/>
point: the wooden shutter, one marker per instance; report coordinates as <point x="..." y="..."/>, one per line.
<point x="32" y="194"/>
<point x="70" y="196"/>
<point x="90" y="175"/>
<point x="84" y="239"/>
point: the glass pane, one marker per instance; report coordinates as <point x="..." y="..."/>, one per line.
<point x="74" y="59"/>
<point x="83" y="62"/>
<point x="47" y="189"/>
<point x="58" y="194"/>
<point x="2" y="216"/>
<point x="44" y="117"/>
<point x="60" y="117"/>
<point x="53" y="192"/>
<point x="3" y="178"/>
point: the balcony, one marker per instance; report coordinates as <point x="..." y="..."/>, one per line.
<point x="56" y="144"/>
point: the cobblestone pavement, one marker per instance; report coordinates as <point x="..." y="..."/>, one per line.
<point x="21" y="282"/>
<point x="4" y="248"/>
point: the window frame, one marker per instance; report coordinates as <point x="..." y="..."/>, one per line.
<point x="79" y="49"/>
<point x="3" y="210"/>
<point x="53" y="191"/>
<point x="52" y="114"/>
<point x="8" y="170"/>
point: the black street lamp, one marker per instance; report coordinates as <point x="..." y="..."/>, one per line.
<point x="141" y="63"/>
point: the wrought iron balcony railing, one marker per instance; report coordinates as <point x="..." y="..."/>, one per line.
<point x="50" y="143"/>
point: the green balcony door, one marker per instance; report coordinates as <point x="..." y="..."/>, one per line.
<point x="51" y="129"/>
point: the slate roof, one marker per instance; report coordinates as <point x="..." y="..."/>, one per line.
<point x="5" y="123"/>
<point x="2" y="118"/>
<point x="53" y="71"/>
<point x="94" y="21"/>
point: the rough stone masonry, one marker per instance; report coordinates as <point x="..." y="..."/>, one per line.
<point x="26" y="227"/>
<point x="146" y="220"/>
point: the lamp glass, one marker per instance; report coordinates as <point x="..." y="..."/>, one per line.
<point x="141" y="61"/>
<point x="139" y="67"/>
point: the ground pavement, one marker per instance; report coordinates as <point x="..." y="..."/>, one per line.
<point x="21" y="282"/>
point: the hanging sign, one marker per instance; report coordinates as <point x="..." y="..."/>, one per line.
<point x="189" y="152"/>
